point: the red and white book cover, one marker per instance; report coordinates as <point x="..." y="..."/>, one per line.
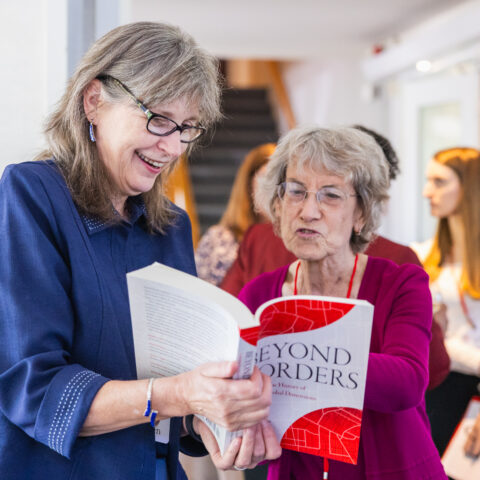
<point x="315" y="349"/>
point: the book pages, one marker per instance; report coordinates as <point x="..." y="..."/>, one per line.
<point x="180" y="322"/>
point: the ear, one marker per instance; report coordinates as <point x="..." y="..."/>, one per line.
<point x="91" y="98"/>
<point x="359" y="222"/>
<point x="276" y="211"/>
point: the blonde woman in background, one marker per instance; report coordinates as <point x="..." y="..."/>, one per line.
<point x="218" y="247"/>
<point x="452" y="259"/>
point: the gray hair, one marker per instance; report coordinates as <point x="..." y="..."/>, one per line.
<point x="160" y="64"/>
<point x="345" y="152"/>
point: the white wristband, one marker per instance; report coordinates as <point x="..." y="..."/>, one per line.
<point x="152" y="414"/>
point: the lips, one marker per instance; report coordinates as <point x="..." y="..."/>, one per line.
<point x="307" y="232"/>
<point x="149" y="161"/>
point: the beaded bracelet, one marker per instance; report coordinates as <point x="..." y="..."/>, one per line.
<point x="148" y="411"/>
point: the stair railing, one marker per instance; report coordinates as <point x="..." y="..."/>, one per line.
<point x="281" y="93"/>
<point x="179" y="191"/>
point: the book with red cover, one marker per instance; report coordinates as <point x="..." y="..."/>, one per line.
<point x="315" y="349"/>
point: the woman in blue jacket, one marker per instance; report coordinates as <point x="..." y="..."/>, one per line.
<point x="72" y="224"/>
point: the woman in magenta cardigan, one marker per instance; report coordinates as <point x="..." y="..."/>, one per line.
<point x="324" y="191"/>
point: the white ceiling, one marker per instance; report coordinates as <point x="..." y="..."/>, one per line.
<point x="289" y="29"/>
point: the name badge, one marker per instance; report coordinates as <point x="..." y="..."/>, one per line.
<point x="162" y="431"/>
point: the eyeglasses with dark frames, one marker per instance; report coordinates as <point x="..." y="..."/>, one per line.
<point x="161" y="125"/>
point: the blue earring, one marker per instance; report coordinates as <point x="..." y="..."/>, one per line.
<point x="90" y="131"/>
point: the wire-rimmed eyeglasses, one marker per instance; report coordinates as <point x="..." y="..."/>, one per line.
<point x="296" y="193"/>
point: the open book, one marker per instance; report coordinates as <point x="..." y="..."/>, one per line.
<point x="458" y="465"/>
<point x="314" y="348"/>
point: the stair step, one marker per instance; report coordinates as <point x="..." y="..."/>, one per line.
<point x="250" y="137"/>
<point x="216" y="154"/>
<point x="209" y="210"/>
<point x="219" y="189"/>
<point x="220" y="199"/>
<point x="205" y="191"/>
<point x="259" y="94"/>
<point x="248" y="120"/>
<point x="216" y="174"/>
<point x="247" y="123"/>
<point x="251" y="105"/>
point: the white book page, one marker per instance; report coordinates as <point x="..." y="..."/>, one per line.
<point x="180" y="322"/>
<point x="457" y="464"/>
<point x="175" y="330"/>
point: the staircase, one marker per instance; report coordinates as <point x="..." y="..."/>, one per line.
<point x="248" y="122"/>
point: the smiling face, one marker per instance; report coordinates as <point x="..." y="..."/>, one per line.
<point x="442" y="189"/>
<point x="133" y="156"/>
<point x="312" y="230"/>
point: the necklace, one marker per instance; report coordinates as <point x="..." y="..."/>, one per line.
<point x="456" y="275"/>
<point x="350" y="283"/>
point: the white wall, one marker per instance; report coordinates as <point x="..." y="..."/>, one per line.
<point x="333" y="93"/>
<point x="33" y="66"/>
<point x="41" y="42"/>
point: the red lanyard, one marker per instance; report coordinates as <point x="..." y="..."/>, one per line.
<point x="295" y="291"/>
<point x="464" y="306"/>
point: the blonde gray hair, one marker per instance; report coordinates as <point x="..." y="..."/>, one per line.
<point x="160" y="64"/>
<point x="345" y="152"/>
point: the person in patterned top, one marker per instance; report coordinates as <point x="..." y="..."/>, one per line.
<point x="218" y="247"/>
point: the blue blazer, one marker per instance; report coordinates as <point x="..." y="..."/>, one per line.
<point x="65" y="330"/>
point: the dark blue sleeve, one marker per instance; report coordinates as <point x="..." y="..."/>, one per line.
<point x="41" y="390"/>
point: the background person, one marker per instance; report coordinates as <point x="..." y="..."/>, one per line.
<point x="71" y="226"/>
<point x="218" y="247"/>
<point x="325" y="191"/>
<point x="452" y="259"/>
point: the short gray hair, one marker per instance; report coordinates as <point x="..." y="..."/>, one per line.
<point x="344" y="151"/>
<point x="160" y="64"/>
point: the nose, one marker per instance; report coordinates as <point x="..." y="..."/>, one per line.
<point x="310" y="208"/>
<point x="427" y="190"/>
<point x="171" y="144"/>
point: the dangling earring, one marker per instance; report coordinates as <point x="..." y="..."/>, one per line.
<point x="90" y="131"/>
